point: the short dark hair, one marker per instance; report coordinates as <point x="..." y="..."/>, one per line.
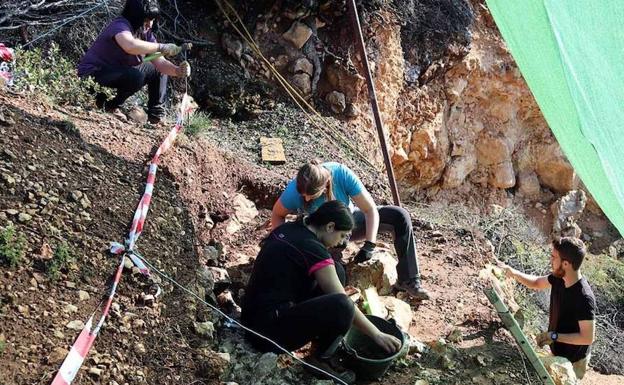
<point x="331" y="211"/>
<point x="570" y="249"/>
<point x="137" y="11"/>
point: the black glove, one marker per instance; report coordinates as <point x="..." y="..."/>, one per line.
<point x="365" y="253"/>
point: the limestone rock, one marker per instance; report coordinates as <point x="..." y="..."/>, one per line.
<point x="57" y="356"/>
<point x="528" y="185"/>
<point x="566" y="211"/>
<point x="204" y="329"/>
<point x="616" y="249"/>
<point x="232" y="46"/>
<point x="492" y="151"/>
<point x="137" y="115"/>
<point x="298" y="34"/>
<point x="379" y="272"/>
<point x="303" y="65"/>
<point x="244" y="212"/>
<point x="560" y="369"/>
<point x="457" y="171"/>
<point x="303" y="82"/>
<point x="399" y="310"/>
<point x="336" y="101"/>
<point x="75" y="325"/>
<point x="555" y="172"/>
<point x="502" y="175"/>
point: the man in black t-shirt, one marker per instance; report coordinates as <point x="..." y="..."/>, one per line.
<point x="571" y="327"/>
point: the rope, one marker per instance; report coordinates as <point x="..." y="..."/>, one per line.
<point x="104" y="2"/>
<point x="233" y="321"/>
<point x="292" y="92"/>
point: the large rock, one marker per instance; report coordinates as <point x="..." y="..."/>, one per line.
<point x="560" y="369"/>
<point x="493" y="151"/>
<point x="303" y="82"/>
<point x="244" y="212"/>
<point x="502" y="175"/>
<point x="398" y="310"/>
<point x="298" y="34"/>
<point x="379" y="272"/>
<point x="459" y="168"/>
<point x="528" y="185"/>
<point x="303" y="65"/>
<point x="566" y="211"/>
<point x="554" y="171"/>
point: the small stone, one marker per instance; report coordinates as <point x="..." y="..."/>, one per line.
<point x="139" y="348"/>
<point x="11" y="212"/>
<point x="24" y="217"/>
<point x="75" y="325"/>
<point x="69" y="308"/>
<point x="76" y="195"/>
<point x="57" y="355"/>
<point x="83" y="295"/>
<point x="303" y="65"/>
<point x="59" y="334"/>
<point x="204" y="329"/>
<point x="225" y="357"/>
<point x="8" y="179"/>
<point x="336" y="101"/>
<point x="95" y="372"/>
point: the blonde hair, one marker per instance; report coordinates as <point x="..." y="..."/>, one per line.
<point x="313" y="178"/>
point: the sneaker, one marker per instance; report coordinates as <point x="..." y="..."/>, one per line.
<point x="413" y="288"/>
<point x="331" y="367"/>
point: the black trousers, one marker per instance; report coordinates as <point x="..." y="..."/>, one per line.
<point x="128" y="80"/>
<point x="397" y="222"/>
<point x="324" y="319"/>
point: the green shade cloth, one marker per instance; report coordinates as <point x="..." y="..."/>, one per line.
<point x="571" y="54"/>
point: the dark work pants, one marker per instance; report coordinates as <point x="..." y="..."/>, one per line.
<point x="396" y="221"/>
<point x="324" y="319"/>
<point x="128" y="80"/>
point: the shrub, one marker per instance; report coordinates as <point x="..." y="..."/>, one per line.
<point x="60" y="260"/>
<point x="12" y="246"/>
<point x="51" y="74"/>
<point x="198" y="123"/>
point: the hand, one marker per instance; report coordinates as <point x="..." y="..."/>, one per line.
<point x="170" y="49"/>
<point x="365" y="253"/>
<point x="543" y="339"/>
<point x="184" y="70"/>
<point x="508" y="270"/>
<point x="389" y="343"/>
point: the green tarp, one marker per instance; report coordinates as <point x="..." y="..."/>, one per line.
<point x="571" y="54"/>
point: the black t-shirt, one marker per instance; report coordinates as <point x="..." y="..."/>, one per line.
<point x="568" y="306"/>
<point x="284" y="269"/>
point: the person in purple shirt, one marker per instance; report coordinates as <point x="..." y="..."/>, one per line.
<point x="115" y="59"/>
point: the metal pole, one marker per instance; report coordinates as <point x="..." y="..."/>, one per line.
<point x="359" y="41"/>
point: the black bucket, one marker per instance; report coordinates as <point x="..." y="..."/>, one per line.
<point x="368" y="360"/>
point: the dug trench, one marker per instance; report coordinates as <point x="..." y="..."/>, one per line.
<point x="76" y="182"/>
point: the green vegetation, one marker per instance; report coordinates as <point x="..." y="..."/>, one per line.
<point x="12" y="246"/>
<point x="198" y="124"/>
<point x="60" y="260"/>
<point x="51" y="74"/>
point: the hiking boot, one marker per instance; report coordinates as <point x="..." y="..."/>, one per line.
<point x="153" y="119"/>
<point x="330" y="366"/>
<point x="413" y="288"/>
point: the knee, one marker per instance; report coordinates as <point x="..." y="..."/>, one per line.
<point x="401" y="219"/>
<point x="344" y="310"/>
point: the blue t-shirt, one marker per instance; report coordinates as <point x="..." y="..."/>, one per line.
<point x="345" y="184"/>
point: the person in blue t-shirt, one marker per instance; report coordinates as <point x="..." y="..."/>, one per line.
<point x="317" y="183"/>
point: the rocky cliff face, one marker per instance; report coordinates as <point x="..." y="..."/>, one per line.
<point x="459" y="115"/>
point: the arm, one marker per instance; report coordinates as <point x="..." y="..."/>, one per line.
<point x="278" y="215"/>
<point x="329" y="283"/>
<point x="531" y="281"/>
<point x="134" y="46"/>
<point x="365" y="202"/>
<point x="166" y="67"/>
<point x="585" y="336"/>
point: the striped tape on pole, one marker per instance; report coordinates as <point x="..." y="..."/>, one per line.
<point x="83" y="343"/>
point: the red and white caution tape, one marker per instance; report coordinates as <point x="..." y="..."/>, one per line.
<point x="83" y="343"/>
